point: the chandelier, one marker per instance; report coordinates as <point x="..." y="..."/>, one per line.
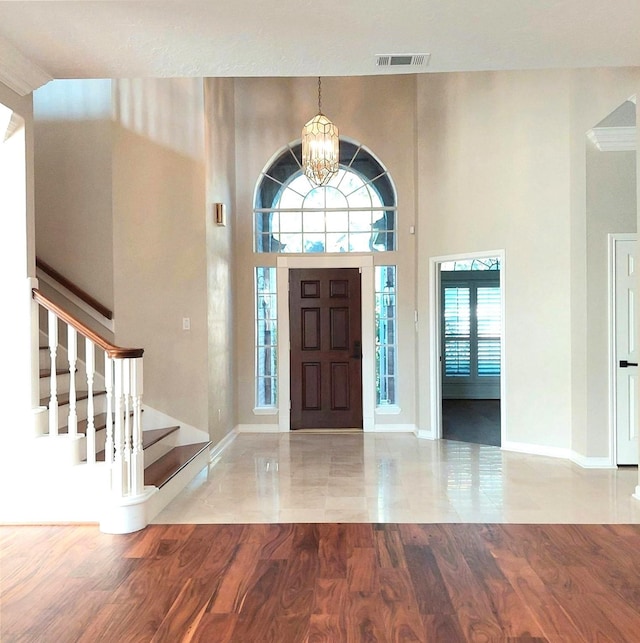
<point x="320" y="156"/>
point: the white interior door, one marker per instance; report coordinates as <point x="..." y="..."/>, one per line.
<point x="626" y="352"/>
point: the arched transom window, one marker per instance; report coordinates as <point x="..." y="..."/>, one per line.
<point x="354" y="212"/>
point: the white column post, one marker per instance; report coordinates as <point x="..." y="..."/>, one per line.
<point x="53" y="351"/>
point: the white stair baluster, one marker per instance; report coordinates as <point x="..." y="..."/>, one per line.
<point x="108" y="381"/>
<point x="90" y="357"/>
<point x="53" y="397"/>
<point x="137" y="468"/>
<point x="72" y="353"/>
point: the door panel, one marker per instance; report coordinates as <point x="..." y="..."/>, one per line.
<point x="325" y="333"/>
<point x="626" y="353"/>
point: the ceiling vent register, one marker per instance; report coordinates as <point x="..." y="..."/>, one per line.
<point x="402" y="60"/>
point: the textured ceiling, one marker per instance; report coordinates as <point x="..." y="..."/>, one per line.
<point x="112" y="39"/>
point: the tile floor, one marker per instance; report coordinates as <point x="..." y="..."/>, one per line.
<point x="311" y="477"/>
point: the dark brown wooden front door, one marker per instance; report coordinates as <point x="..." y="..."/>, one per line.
<point x="326" y="348"/>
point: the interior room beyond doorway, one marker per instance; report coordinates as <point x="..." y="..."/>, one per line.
<point x="470" y="302"/>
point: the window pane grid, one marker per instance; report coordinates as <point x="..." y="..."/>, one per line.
<point x="327" y="216"/>
<point x="266" y="341"/>
<point x="472" y="330"/>
<point x="386" y="344"/>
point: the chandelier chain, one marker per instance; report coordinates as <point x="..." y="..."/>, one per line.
<point x="319" y="95"/>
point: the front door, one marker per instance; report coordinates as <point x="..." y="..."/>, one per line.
<point x="326" y="348"/>
<point x="626" y="353"/>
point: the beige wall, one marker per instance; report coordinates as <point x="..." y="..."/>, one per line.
<point x="501" y="164"/>
<point x="74" y="224"/>
<point x="378" y="112"/>
<point x="493" y="174"/>
<point x="594" y="93"/>
<point x="121" y="211"/>
<point x="220" y="153"/>
<point x="159" y="253"/>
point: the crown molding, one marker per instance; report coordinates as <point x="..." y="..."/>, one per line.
<point x="18" y="73"/>
<point x="613" y="139"/>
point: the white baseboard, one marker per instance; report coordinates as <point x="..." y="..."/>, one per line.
<point x="394" y="428"/>
<point x="217" y="449"/>
<point x="424" y="434"/>
<point x="587" y="462"/>
<point x="258" y="428"/>
<point x="538" y="449"/>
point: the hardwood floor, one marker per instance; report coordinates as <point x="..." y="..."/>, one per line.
<point x="290" y="583"/>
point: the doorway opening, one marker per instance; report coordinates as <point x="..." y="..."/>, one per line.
<point x="469" y="348"/>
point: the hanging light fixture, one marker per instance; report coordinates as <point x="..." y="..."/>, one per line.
<point x="320" y="157"/>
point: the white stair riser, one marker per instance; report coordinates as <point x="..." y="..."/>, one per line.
<point x="44" y="358"/>
<point x="62" y="384"/>
<point x="99" y="406"/>
<point x="157" y="450"/>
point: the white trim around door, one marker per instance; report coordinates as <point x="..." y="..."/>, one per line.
<point x="614" y="239"/>
<point x="435" y="305"/>
<point x="365" y="263"/>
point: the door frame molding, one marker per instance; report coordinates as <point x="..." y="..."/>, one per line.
<point x="365" y="264"/>
<point x="612" y="239"/>
<point x="435" y="306"/>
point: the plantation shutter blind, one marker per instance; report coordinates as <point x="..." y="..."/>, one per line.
<point x="457" y="328"/>
<point x="489" y="321"/>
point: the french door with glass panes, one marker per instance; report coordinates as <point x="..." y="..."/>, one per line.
<point x="471" y="331"/>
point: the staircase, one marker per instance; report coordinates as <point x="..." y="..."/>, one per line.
<point x="139" y="459"/>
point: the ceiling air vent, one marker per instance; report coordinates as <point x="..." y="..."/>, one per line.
<point x="402" y="60"/>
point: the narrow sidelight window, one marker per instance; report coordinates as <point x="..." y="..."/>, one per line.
<point x="266" y="338"/>
<point x="386" y="342"/>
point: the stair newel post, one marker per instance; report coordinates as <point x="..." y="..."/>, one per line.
<point x="128" y="442"/>
<point x="138" y="455"/>
<point x="53" y="351"/>
<point x="108" y="381"/>
<point x="72" y="354"/>
<point x="118" y="479"/>
<point x="90" y="358"/>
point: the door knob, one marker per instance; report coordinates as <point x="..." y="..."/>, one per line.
<point x="357" y="350"/>
<point x="624" y="363"/>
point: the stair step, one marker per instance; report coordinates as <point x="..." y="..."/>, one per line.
<point x="161" y="471"/>
<point x="100" y="422"/>
<point x="46" y="372"/>
<point x="63" y="398"/>
<point x="150" y="437"/>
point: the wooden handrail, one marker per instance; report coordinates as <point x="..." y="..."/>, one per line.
<point x="110" y="349"/>
<point x="71" y="287"/>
